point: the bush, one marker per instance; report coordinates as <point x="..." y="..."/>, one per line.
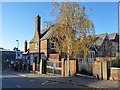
<point x="117" y="63"/>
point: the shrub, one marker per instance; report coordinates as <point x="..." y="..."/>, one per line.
<point x="117" y="63"/>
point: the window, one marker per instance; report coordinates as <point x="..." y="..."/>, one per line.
<point x="114" y="54"/>
<point x="36" y="46"/>
<point x="52" y="45"/>
<point x="91" y="54"/>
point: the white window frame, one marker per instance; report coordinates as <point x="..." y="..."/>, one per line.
<point x="36" y="46"/>
<point x="51" y="45"/>
<point x="92" y="53"/>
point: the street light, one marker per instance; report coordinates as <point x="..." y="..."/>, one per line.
<point x="119" y="28"/>
<point x="17" y="48"/>
<point x="17" y="44"/>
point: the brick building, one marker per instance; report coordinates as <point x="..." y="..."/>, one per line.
<point x="40" y="46"/>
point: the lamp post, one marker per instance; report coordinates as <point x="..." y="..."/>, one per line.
<point x="16" y="67"/>
<point x="17" y="43"/>
<point x="119" y="28"/>
<point x="17" y="48"/>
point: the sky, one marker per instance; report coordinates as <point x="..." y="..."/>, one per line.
<point x="18" y="19"/>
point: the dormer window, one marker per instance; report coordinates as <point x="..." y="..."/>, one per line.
<point x="52" y="45"/>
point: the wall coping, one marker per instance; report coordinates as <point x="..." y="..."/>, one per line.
<point x="115" y="68"/>
<point x="70" y="59"/>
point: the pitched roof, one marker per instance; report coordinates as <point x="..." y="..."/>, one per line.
<point x="45" y="34"/>
<point x="98" y="41"/>
<point x="44" y="30"/>
<point x="100" y="38"/>
<point x="35" y="38"/>
<point x="48" y="33"/>
<point x="112" y="35"/>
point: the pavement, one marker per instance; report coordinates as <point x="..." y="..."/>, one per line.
<point x="79" y="81"/>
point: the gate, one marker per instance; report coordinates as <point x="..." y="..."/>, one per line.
<point x="53" y="67"/>
<point x="84" y="68"/>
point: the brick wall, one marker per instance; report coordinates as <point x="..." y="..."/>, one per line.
<point x="44" y="47"/>
<point x="97" y="69"/>
<point x="32" y="47"/>
<point x="115" y="73"/>
<point x="105" y="71"/>
<point x="72" y="68"/>
<point x="105" y="58"/>
<point x="54" y="56"/>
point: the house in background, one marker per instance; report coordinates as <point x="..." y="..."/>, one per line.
<point x="101" y="43"/>
<point x="107" y="44"/>
<point x="114" y="40"/>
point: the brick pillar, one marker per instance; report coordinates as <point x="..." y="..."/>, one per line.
<point x="97" y="70"/>
<point x="104" y="70"/>
<point x="33" y="67"/>
<point x="41" y="66"/>
<point x="63" y="67"/>
<point x="72" y="67"/>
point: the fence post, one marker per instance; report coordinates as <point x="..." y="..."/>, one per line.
<point x="104" y="70"/>
<point x="33" y="68"/>
<point x="41" y="67"/>
<point x="53" y="68"/>
<point x="63" y="67"/>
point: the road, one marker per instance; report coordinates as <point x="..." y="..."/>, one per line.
<point x="14" y="81"/>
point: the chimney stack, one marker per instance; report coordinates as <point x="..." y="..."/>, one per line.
<point x="37" y="24"/>
<point x="25" y="46"/>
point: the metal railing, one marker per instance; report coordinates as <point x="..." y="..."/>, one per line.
<point x="53" y="67"/>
